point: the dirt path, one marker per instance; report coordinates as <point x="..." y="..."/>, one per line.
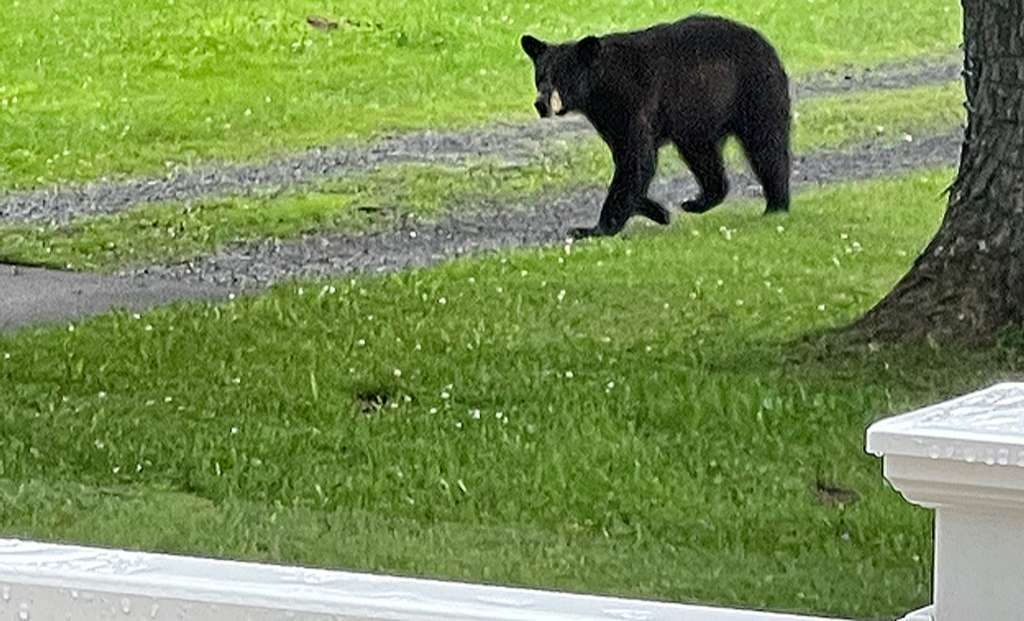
<point x="33" y="295"/>
<point x="481" y="227"/>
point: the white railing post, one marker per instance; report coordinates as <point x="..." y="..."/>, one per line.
<point x="964" y="458"/>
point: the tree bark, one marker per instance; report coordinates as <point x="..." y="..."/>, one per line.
<point x="969" y="281"/>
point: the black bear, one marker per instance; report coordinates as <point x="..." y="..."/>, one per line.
<point x="692" y="83"/>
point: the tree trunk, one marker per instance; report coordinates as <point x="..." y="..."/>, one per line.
<point x="969" y="282"/>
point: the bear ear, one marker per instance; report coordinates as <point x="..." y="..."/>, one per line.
<point x="589" y="48"/>
<point x="533" y="46"/>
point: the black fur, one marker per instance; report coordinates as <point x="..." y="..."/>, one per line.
<point x="692" y="83"/>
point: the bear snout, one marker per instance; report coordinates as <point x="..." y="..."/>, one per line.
<point x="542" y="107"/>
<point x="556" y="103"/>
<point x="549" y="104"/>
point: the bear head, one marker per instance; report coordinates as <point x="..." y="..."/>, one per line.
<point x="563" y="73"/>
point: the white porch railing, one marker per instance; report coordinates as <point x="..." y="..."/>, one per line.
<point x="964" y="458"/>
<point x="56" y="582"/>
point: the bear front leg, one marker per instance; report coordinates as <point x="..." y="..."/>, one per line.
<point x="615" y="211"/>
<point x="635" y="164"/>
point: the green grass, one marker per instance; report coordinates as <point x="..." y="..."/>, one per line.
<point x="174" y="231"/>
<point x="627" y="416"/>
<point x="99" y="88"/>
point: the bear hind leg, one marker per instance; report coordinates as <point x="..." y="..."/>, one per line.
<point x="770" y="161"/>
<point x="705" y="162"/>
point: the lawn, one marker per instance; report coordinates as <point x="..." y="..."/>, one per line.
<point x="627" y="415"/>
<point x="179" y="231"/>
<point x="91" y="89"/>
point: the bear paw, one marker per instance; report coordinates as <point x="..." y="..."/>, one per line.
<point x="695" y="206"/>
<point x="654" y="211"/>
